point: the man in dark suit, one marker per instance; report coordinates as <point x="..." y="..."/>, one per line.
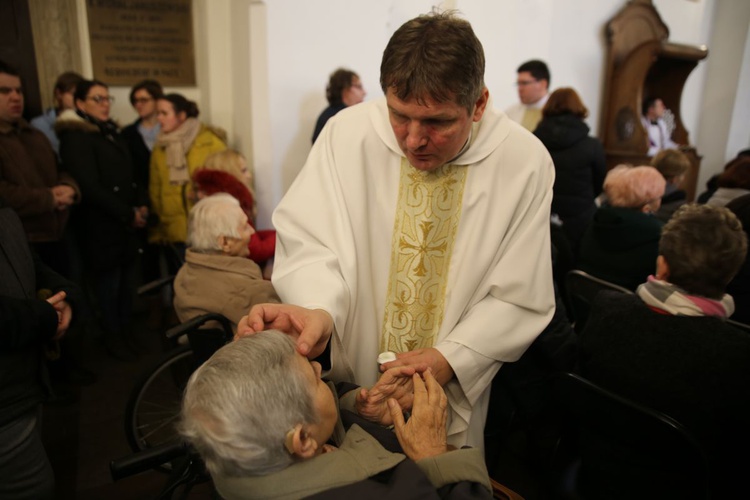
<point x="28" y="323"/>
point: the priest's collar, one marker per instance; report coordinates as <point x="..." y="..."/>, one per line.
<point x="467" y="144"/>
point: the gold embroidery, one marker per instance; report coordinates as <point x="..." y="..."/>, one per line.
<point x="427" y="215"/>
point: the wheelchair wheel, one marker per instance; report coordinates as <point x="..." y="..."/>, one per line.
<point x="153" y="407"/>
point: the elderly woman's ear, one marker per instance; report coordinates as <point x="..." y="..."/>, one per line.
<point x="301" y="443"/>
<point x="223" y="242"/>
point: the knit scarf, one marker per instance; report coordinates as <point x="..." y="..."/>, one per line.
<point x="674" y="300"/>
<point x="177" y="144"/>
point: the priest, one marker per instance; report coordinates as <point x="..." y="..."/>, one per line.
<point x="419" y="225"/>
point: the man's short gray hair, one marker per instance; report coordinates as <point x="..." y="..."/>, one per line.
<point x="211" y="218"/>
<point x="240" y="404"/>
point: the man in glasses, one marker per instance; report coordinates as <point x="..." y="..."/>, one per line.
<point x="533" y="91"/>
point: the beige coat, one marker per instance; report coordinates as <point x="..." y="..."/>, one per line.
<point x="219" y="284"/>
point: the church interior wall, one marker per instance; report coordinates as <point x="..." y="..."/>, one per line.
<point x="263" y="65"/>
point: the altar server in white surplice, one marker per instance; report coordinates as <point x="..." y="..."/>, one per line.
<point x="419" y="225"/>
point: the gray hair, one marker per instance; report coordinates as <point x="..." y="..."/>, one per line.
<point x="240" y="404"/>
<point x="209" y="219"/>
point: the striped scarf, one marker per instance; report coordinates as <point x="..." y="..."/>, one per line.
<point x="674" y="300"/>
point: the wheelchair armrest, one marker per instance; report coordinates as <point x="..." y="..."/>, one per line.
<point x="155" y="285"/>
<point x="147" y="459"/>
<point x="199" y="321"/>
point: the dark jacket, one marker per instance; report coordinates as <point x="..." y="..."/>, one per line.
<point x="739" y="287"/>
<point x="621" y="246"/>
<point x="26" y="322"/>
<point x="579" y="170"/>
<point x="326" y="115"/>
<point x="28" y="169"/>
<point x="694" y="369"/>
<point x="139" y="152"/>
<point x="100" y="161"/>
<point x="673" y="199"/>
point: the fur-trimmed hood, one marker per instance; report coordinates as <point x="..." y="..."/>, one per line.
<point x="69" y="120"/>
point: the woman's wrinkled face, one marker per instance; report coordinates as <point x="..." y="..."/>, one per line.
<point x="97" y="103"/>
<point x="323" y="402"/>
<point x="168" y="119"/>
<point x="237" y="247"/>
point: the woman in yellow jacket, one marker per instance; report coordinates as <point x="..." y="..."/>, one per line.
<point x="181" y="148"/>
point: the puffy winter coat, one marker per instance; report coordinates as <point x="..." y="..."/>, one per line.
<point x="171" y="201"/>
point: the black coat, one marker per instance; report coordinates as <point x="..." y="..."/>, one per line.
<point x="694" y="369"/>
<point x="139" y="152"/>
<point x="26" y="322"/>
<point x="326" y="115"/>
<point x="579" y="170"/>
<point x="739" y="287"/>
<point x="101" y="164"/>
<point x="621" y="246"/>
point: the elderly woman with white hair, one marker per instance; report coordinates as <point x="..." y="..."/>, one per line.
<point x="621" y="243"/>
<point x="217" y="275"/>
<point x="267" y="426"/>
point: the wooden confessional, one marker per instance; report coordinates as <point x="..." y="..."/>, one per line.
<point x="642" y="63"/>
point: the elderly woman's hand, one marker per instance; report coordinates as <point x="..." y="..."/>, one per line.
<point x="425" y="434"/>
<point x="395" y="383"/>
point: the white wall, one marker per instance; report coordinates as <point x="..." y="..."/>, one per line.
<point x="724" y="127"/>
<point x="263" y="66"/>
<point x="307" y="42"/>
<point x="307" y="39"/>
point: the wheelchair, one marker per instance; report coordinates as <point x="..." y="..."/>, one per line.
<point x="153" y="406"/>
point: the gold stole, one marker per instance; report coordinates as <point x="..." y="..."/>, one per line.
<point x="531" y="118"/>
<point x="427" y="216"/>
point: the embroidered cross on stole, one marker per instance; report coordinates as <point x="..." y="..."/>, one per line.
<point x="427" y="215"/>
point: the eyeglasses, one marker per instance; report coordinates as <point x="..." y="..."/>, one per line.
<point x="142" y="100"/>
<point x="523" y="83"/>
<point x="102" y="98"/>
<point x="357" y="86"/>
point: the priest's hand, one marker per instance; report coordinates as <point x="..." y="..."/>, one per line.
<point x="425" y="434"/>
<point x="312" y="328"/>
<point x="430" y="357"/>
<point x="396" y="383"/>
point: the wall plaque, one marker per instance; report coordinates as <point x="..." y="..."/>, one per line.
<point x="136" y="39"/>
